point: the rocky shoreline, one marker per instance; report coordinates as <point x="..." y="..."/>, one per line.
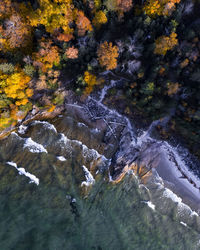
<point x="34" y="114"/>
<point x="128" y="152"/>
<point x="117" y="140"/>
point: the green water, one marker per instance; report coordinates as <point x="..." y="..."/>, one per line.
<point x="112" y="217"/>
<point x="104" y="216"/>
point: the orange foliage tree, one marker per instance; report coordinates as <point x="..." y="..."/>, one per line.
<point x="124" y="5"/>
<point x="119" y="5"/>
<point x="107" y="55"/>
<point x="173" y="88"/>
<point x="5" y="8"/>
<point x="82" y="22"/>
<point x="16" y="33"/>
<point x="165" y="43"/>
<point x="47" y="56"/>
<point x="72" y="53"/>
<point x="63" y="37"/>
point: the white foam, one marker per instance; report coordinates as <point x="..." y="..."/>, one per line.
<point x="33" y="146"/>
<point x="183" y="223"/>
<point x="86" y="152"/>
<point x="11" y="163"/>
<point x="89" y="178"/>
<point x="90" y="152"/>
<point x="61" y="158"/>
<point x="22" y="171"/>
<point x="169" y="194"/>
<point x="64" y="139"/>
<point x="47" y="125"/>
<point x="193" y="213"/>
<point x="181" y="205"/>
<point x="110" y="177"/>
<point x="22" y="129"/>
<point x="150" y="204"/>
<point x="32" y="177"/>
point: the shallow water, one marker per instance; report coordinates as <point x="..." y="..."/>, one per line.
<point x="69" y="210"/>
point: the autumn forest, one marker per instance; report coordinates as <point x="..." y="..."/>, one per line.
<point x="154" y="45"/>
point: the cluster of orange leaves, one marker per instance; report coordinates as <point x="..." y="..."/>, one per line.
<point x="71" y="53"/>
<point x="15" y="31"/>
<point x="184" y="63"/>
<point x="120" y="6"/>
<point x="82" y="22"/>
<point x="107" y="55"/>
<point x="47" y="56"/>
<point x="160" y="7"/>
<point x="165" y="43"/>
<point x="63" y="37"/>
<point x="5" y="8"/>
<point x="124" y="5"/>
<point x="173" y="88"/>
<point x="51" y="76"/>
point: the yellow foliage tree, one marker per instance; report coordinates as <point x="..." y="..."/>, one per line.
<point x="99" y="19"/>
<point x="107" y="55"/>
<point x="53" y="15"/>
<point x="14" y="91"/>
<point x="165" y="43"/>
<point x="160" y="7"/>
<point x="97" y="4"/>
<point x="15" y="86"/>
<point x="91" y="80"/>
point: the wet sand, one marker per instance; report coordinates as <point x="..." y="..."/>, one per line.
<point x="180" y="180"/>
